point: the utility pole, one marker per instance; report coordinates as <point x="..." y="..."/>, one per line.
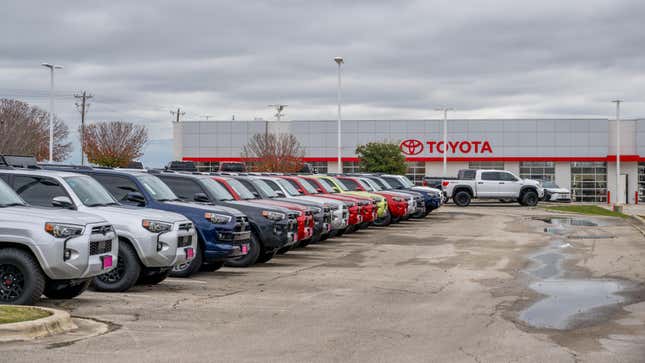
<point x="177" y="113"/>
<point x="51" y="67"/>
<point x="617" y="197"/>
<point x="445" y="137"/>
<point x="339" y="61"/>
<point x="83" y="107"/>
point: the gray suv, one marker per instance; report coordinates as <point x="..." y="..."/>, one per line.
<point x="55" y="252"/>
<point x="151" y="242"/>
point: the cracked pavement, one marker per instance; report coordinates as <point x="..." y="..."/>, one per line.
<point x="445" y="289"/>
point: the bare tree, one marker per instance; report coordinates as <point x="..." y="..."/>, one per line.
<point x="274" y="153"/>
<point x="24" y="130"/>
<point x="114" y="144"/>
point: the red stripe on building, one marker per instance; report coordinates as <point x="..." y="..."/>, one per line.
<point x="624" y="158"/>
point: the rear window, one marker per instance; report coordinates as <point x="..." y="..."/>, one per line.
<point x="467" y="174"/>
<point x="490" y="175"/>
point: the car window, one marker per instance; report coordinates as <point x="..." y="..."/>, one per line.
<point x="288" y="187"/>
<point x="4" y="178"/>
<point x="8" y="196"/>
<point x="308" y="187"/>
<point x="350" y="184"/>
<point x="156" y="188"/>
<point x="325" y="184"/>
<point x="394" y="182"/>
<point x="243" y="188"/>
<point x="507" y="177"/>
<point x="89" y="191"/>
<point x="184" y="188"/>
<point x="118" y="186"/>
<point x="38" y="191"/>
<point x="265" y="188"/>
<point x="217" y="189"/>
<point x="490" y="175"/>
<point x="369" y="184"/>
<point x="273" y="185"/>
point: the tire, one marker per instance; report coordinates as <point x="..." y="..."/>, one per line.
<point x="152" y="277"/>
<point x="190" y="268"/>
<point x="265" y="257"/>
<point x="22" y="282"/>
<point x="462" y="198"/>
<point x="385" y="221"/>
<point x="64" y="289"/>
<point x="255" y="250"/>
<point x="124" y="276"/>
<point x="211" y="266"/>
<point x="530" y="199"/>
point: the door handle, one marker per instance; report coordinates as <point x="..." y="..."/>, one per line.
<point x="480" y="183"/>
<point x="501" y="182"/>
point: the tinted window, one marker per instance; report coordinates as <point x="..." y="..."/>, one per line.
<point x="244" y="188"/>
<point x="467" y="174"/>
<point x="394" y="182"/>
<point x="37" y="190"/>
<point x="490" y="175"/>
<point x="118" y="186"/>
<point x="5" y="178"/>
<point x="350" y="184"/>
<point x="273" y="185"/>
<point x="89" y="191"/>
<point x="235" y="167"/>
<point x="183" y="187"/>
<point x="507" y="177"/>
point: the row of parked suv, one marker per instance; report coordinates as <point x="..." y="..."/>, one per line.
<point x="64" y="228"/>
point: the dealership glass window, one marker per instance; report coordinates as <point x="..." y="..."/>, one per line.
<point x="493" y="165"/>
<point x="641" y="182"/>
<point x="538" y="170"/>
<point x="351" y="167"/>
<point x="416" y="171"/>
<point x="319" y="167"/>
<point x="589" y="182"/>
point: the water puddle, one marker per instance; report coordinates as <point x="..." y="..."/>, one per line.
<point x="568" y="303"/>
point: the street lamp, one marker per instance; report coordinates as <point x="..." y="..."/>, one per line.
<point x="51" y="107"/>
<point x="339" y="61"/>
<point x="617" y="102"/>
<point x="445" y="137"/>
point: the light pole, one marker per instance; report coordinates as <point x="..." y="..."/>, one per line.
<point x="339" y="61"/>
<point x="51" y="67"/>
<point x="445" y="137"/>
<point x="617" y="102"/>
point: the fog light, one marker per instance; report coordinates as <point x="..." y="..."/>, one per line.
<point x="159" y="246"/>
<point x="67" y="254"/>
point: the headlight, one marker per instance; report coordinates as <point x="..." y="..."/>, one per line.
<point x="218" y="218"/>
<point x="274" y="216"/>
<point x="60" y="230"/>
<point x="156" y="226"/>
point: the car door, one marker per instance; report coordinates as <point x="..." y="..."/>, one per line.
<point x="509" y="185"/>
<point x="488" y="185"/>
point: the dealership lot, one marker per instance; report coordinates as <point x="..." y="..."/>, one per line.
<point x="451" y="287"/>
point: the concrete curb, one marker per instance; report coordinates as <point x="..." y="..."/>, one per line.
<point x="638" y="223"/>
<point x="57" y="323"/>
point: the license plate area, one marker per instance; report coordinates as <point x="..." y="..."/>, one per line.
<point x="190" y="253"/>
<point x="106" y="262"/>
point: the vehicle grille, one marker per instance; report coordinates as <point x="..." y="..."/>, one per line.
<point x="184" y="241"/>
<point x="104" y="229"/>
<point x="241" y="224"/>
<point x="100" y="247"/>
<point x="185" y="226"/>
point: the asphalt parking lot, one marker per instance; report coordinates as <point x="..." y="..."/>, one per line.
<point x="460" y="286"/>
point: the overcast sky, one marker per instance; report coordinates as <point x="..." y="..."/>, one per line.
<point x="140" y="59"/>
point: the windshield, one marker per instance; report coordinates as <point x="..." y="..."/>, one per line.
<point x="240" y="189"/>
<point x="157" y="189"/>
<point x="394" y="182"/>
<point x="405" y="181"/>
<point x="308" y="187"/>
<point x="265" y="188"/>
<point x="369" y="183"/>
<point x="342" y="185"/>
<point x="8" y="197"/>
<point x="217" y="189"/>
<point x="549" y="184"/>
<point x="382" y="183"/>
<point x="327" y="186"/>
<point x="288" y="187"/>
<point x="90" y="192"/>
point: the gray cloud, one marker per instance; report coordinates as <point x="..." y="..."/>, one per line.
<point x="485" y="58"/>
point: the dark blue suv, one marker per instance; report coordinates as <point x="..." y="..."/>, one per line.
<point x="223" y="233"/>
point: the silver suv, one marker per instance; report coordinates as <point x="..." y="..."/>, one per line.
<point x="151" y="242"/>
<point x="55" y="252"/>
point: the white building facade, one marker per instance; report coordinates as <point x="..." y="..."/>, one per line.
<point x="579" y="154"/>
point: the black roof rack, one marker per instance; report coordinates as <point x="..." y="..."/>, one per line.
<point x="65" y="166"/>
<point x="19" y="161"/>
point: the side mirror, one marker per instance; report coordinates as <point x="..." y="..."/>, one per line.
<point x="201" y="197"/>
<point x="319" y="190"/>
<point x="136" y="197"/>
<point x="280" y="194"/>
<point x="337" y="190"/>
<point x="256" y="194"/>
<point x="62" y="202"/>
<point x="301" y="191"/>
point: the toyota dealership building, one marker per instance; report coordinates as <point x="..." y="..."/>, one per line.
<point x="579" y="154"/>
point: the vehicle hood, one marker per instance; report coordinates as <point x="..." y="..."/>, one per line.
<point x="427" y="189"/>
<point x="322" y="200"/>
<point x="207" y="207"/>
<point x="137" y="213"/>
<point x="259" y="205"/>
<point x="43" y="215"/>
<point x="532" y="182"/>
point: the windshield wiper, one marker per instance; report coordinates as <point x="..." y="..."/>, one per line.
<point x="12" y="205"/>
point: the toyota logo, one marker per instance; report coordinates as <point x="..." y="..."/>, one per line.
<point x="411" y="147"/>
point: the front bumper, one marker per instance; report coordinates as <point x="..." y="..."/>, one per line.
<point x="170" y="248"/>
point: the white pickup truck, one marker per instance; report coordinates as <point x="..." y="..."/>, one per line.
<point x="492" y="184"/>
